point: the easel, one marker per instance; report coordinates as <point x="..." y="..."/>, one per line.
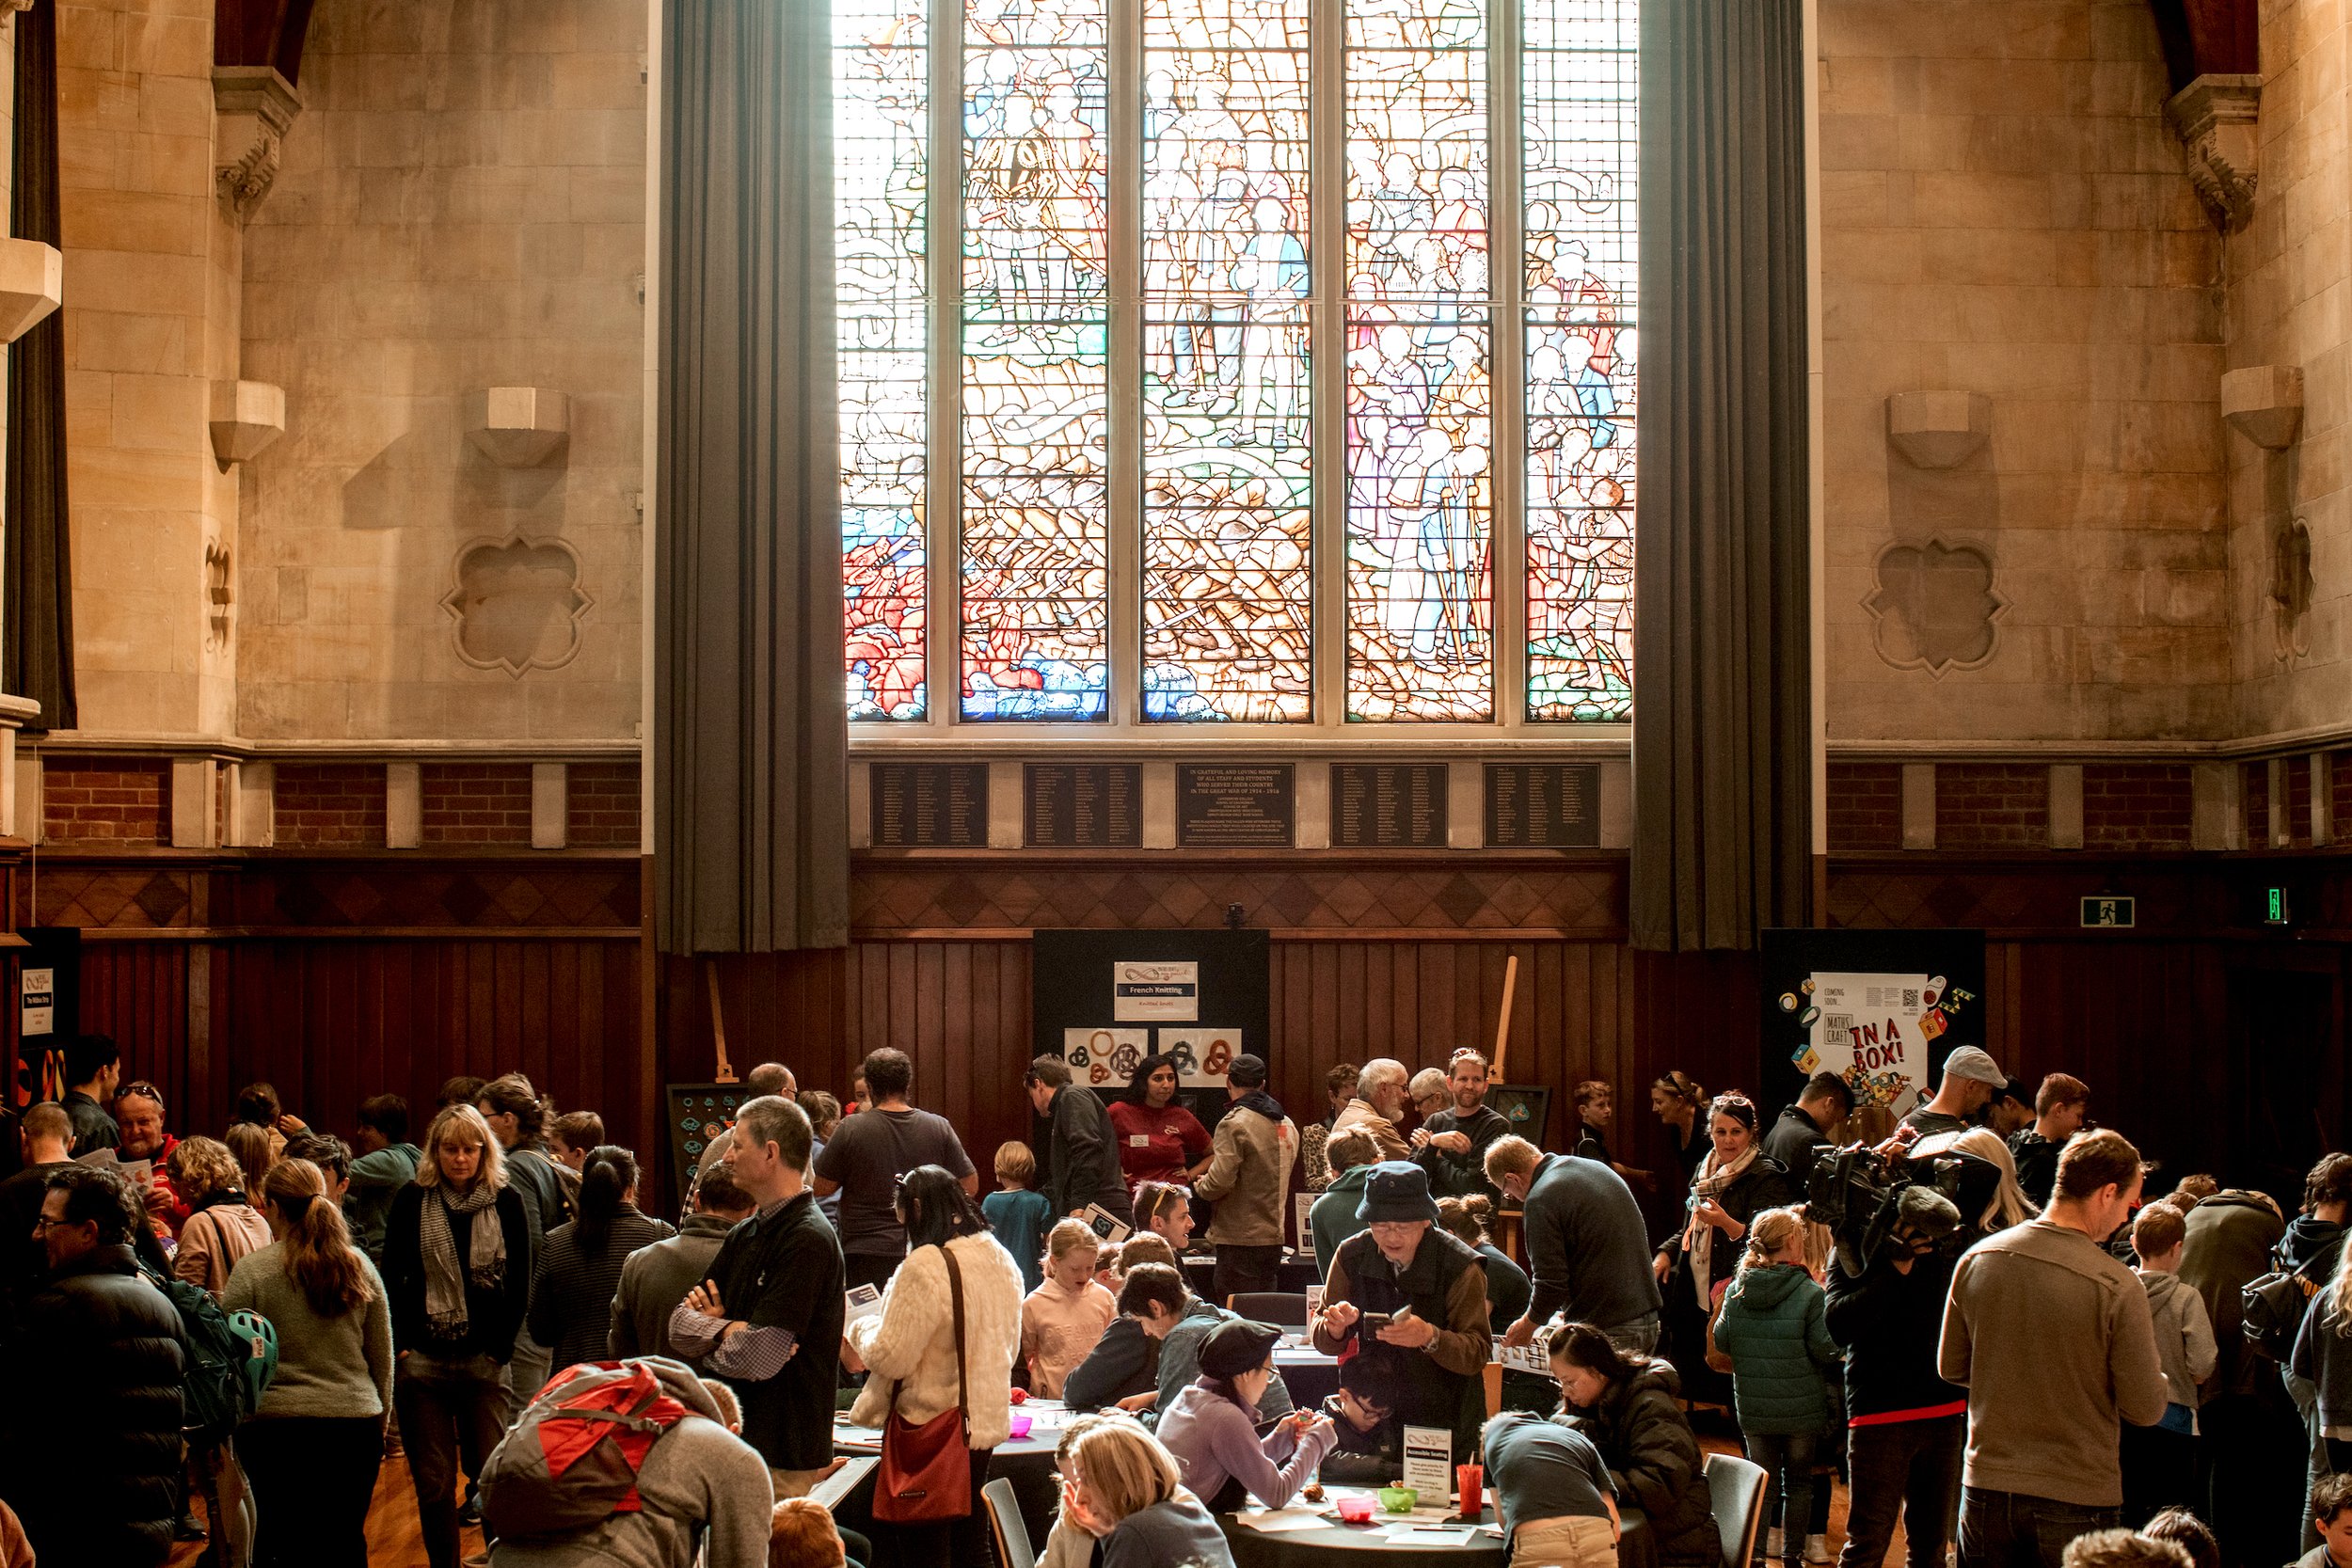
<point x="719" y="1023"/>
<point x="1507" y="1214"/>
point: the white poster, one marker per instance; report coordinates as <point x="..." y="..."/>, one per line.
<point x="1163" y="991"/>
<point x="1104" y="1058"/>
<point x="1203" y="1056"/>
<point x="1875" y="1031"/>
<point x="1429" y="1463"/>
<point x="1302" y="1205"/>
<point x="39" y="987"/>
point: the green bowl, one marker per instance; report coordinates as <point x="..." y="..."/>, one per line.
<point x="1399" y="1499"/>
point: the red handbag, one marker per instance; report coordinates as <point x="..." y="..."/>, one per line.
<point x="926" y="1472"/>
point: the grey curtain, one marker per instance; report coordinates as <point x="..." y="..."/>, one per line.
<point x="1722" y="768"/>
<point x="36" y="606"/>
<point x="751" y="737"/>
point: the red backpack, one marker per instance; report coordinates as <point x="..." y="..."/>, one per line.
<point x="571" y="1460"/>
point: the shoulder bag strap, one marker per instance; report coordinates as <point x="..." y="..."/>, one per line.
<point x="955" y="1293"/>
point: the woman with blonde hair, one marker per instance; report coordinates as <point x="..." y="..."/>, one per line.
<point x="457" y="1258"/>
<point x="223" y="1226"/>
<point x="255" y="1151"/>
<point x="2008" y="1204"/>
<point x="1122" y="1487"/>
<point x="314" y="1445"/>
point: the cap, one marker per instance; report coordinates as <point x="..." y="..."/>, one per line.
<point x="1970" y="1063"/>
<point x="1236" y="1346"/>
<point x="2016" y="1089"/>
<point x="1247" y="1069"/>
<point x="1396" y="1190"/>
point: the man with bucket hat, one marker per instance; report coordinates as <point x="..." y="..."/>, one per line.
<point x="1409" y="1292"/>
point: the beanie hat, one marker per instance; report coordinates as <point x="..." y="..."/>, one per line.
<point x="1238" y="1346"/>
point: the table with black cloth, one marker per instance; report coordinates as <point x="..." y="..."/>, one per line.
<point x="1364" y="1544"/>
<point x="1295" y="1274"/>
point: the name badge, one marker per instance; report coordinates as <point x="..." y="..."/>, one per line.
<point x="1139" y="1140"/>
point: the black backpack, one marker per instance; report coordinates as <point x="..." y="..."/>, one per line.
<point x="2274" y="1304"/>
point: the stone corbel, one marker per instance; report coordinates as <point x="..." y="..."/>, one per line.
<point x="252" y="107"/>
<point x="2214" y="117"/>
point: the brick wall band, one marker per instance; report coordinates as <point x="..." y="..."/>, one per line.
<point x="1992" y="805"/>
<point x="2137" y="806"/>
<point x="474" y="803"/>
<point x="330" y="805"/>
<point x="1866" y="805"/>
<point x="115" y="800"/>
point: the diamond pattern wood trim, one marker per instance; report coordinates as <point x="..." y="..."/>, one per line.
<point x="915" y="898"/>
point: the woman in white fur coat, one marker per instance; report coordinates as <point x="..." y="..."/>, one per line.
<point x="910" y="1346"/>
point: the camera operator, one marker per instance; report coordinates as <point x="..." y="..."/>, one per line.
<point x="1906" y="1426"/>
<point x="1796" y="1137"/>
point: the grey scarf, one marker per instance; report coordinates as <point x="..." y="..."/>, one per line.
<point x="444" y="1282"/>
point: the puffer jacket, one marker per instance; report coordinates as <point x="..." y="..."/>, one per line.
<point x="1772" y="1327"/>
<point x="99" y="1482"/>
<point x="1654" y="1461"/>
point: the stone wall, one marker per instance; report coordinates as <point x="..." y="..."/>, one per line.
<point x="2005" y="213"/>
<point x="461" y="205"/>
<point x="2288" y="273"/>
<point x="150" y="323"/>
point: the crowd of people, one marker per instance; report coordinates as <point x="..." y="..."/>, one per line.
<point x="1999" y="1339"/>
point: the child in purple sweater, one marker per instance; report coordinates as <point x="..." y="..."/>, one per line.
<point x="1211" y="1427"/>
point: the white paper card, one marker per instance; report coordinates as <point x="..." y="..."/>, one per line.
<point x="1104" y="1058"/>
<point x="1104" y="1223"/>
<point x="1526" y="1358"/>
<point x="1432" y="1535"/>
<point x="1302" y="1204"/>
<point x="1314" y="1304"/>
<point x="1429" y="1461"/>
<point x="860" y="1301"/>
<point x="1274" y="1521"/>
<point x="1162" y="992"/>
<point x="1202" y="1055"/>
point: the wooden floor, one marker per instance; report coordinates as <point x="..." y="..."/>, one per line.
<point x="393" y="1540"/>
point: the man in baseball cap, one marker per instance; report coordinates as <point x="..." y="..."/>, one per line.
<point x="1971" y="1079"/>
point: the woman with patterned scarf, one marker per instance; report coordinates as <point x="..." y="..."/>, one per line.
<point x="457" y="1270"/>
<point x="1735" y="1183"/>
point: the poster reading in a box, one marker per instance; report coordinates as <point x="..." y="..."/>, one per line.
<point x="1882" y="1010"/>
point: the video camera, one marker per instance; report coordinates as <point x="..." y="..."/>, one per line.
<point x="1874" y="1202"/>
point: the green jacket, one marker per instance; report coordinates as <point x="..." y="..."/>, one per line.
<point x="1333" y="1217"/>
<point x="1772" y="1327"/>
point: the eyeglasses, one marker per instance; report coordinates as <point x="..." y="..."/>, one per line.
<point x="42" y="1224"/>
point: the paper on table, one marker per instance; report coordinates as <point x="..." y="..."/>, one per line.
<point x="1274" y="1521"/>
<point x="1432" y="1535"/>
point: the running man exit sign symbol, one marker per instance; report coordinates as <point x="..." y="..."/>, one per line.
<point x="2110" y="910"/>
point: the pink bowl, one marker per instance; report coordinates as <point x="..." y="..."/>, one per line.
<point x="1021" y="1425"/>
<point x="1355" y="1510"/>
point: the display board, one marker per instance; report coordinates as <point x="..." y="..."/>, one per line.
<point x="48" y="984"/>
<point x="1526" y="1106"/>
<point x="697" y="1113"/>
<point x="1880" y="1009"/>
<point x="1104" y="1000"/>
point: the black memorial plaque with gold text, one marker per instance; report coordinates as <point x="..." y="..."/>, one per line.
<point x="1543" y="805"/>
<point x="1235" y="805"/>
<point x="1082" y="805"/>
<point x="925" y="805"/>
<point x="1388" y="805"/>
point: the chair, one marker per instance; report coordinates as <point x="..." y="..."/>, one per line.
<point x="1013" y="1536"/>
<point x="1283" y="1309"/>
<point x="1736" y="1491"/>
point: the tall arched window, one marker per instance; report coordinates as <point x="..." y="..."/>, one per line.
<point x="1182" y="382"/>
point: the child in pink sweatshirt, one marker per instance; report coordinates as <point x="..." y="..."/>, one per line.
<point x="1063" y="1319"/>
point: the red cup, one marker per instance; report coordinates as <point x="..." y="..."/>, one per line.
<point x="1471" y="1481"/>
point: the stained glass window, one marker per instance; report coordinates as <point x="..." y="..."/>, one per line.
<point x="881" y="93"/>
<point x="1227" y="581"/>
<point x="1217" y="284"/>
<point x="1580" y="74"/>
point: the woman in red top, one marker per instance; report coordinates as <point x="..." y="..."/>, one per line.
<point x="1158" y="1139"/>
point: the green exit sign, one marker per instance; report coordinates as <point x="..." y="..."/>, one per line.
<point x="2274" y="911"/>
<point x="2110" y="910"/>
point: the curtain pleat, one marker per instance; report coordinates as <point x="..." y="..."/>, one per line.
<point x="37" y="605"/>
<point x="751" y="737"/>
<point x="1721" y="677"/>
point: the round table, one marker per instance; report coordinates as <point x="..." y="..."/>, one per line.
<point x="1304" y="1548"/>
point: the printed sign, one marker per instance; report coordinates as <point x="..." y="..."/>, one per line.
<point x="1104" y="1058"/>
<point x="40" y="998"/>
<point x="1203" y="1057"/>
<point x="860" y="1301"/>
<point x="1302" y="1204"/>
<point x="1875" y="1031"/>
<point x="1103" y="1223"/>
<point x="1166" y="991"/>
<point x="1429" y="1461"/>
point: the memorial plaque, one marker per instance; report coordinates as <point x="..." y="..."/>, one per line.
<point x="1543" y="805"/>
<point x="923" y="805"/>
<point x="1388" y="805"/>
<point x="1222" y="805"/>
<point x="1086" y="805"/>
